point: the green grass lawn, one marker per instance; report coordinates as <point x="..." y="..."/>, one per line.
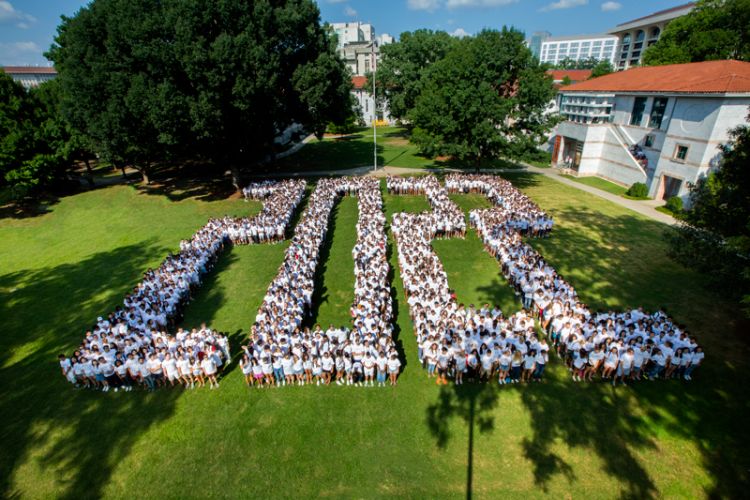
<point x="394" y="150"/>
<point x="599" y="183"/>
<point x="657" y="439"/>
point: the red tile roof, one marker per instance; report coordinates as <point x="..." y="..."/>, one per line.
<point x="709" y="77"/>
<point x="359" y="81"/>
<point x="29" y="70"/>
<point x="575" y="75"/>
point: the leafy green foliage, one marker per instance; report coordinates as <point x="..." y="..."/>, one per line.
<point x="637" y="190"/>
<point x="34" y="142"/>
<point x="568" y="63"/>
<point x="715" y="234"/>
<point x="403" y="65"/>
<point x="674" y="205"/>
<point x="484" y="99"/>
<point x="602" y="68"/>
<point x="715" y="29"/>
<point x="150" y="81"/>
<point x="566" y="80"/>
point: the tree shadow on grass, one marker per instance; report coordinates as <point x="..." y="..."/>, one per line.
<point x="619" y="262"/>
<point x="330" y="155"/>
<point x="75" y="437"/>
<point x="192" y="180"/>
<point x="474" y="405"/>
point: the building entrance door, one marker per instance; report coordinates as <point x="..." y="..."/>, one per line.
<point x="671" y="186"/>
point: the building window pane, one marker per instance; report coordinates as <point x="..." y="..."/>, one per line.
<point x="637" y="115"/>
<point x="649" y="142"/>
<point x="681" y="153"/>
<point x="657" y="112"/>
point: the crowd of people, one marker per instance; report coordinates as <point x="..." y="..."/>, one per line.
<point x="461" y="342"/>
<point x="281" y="350"/>
<point x="637" y="151"/>
<point x="130" y="347"/>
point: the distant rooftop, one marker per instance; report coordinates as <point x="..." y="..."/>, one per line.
<point x="688" y="5"/>
<point x="29" y="70"/>
<point x="578" y="37"/>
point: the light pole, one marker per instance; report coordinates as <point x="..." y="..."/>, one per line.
<point x="374" y="114"/>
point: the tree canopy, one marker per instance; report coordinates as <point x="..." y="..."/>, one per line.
<point x="148" y="81"/>
<point x="403" y="64"/>
<point x="602" y="68"/>
<point x="568" y="63"/>
<point x="486" y="98"/>
<point x="714" y="29"/>
<point x="715" y="233"/>
<point x="34" y="142"/>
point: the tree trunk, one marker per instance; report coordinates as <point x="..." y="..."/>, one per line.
<point x="122" y="168"/>
<point x="145" y="172"/>
<point x="90" y="172"/>
<point x="478" y="163"/>
<point x="236" y="180"/>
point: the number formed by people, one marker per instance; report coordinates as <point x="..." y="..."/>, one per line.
<point x="282" y="352"/>
<point x="130" y="347"/>
<point x="458" y="342"/>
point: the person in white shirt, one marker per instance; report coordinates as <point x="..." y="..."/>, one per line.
<point x="209" y="370"/>
<point x="695" y="361"/>
<point x="394" y="366"/>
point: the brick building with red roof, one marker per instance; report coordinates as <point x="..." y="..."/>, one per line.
<point x="660" y="125"/>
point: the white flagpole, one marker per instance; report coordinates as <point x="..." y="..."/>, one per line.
<point x="374" y="113"/>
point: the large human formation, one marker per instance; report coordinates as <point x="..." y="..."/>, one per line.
<point x="456" y="341"/>
<point x="281" y="349"/>
<point x="130" y="347"/>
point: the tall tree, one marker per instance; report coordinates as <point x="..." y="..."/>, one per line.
<point x="486" y="98"/>
<point x="714" y="29"/>
<point x="403" y="64"/>
<point x="149" y="81"/>
<point x="31" y="147"/>
<point x="714" y="235"/>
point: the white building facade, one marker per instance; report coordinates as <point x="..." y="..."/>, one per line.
<point x="556" y="49"/>
<point x="634" y="37"/>
<point x="658" y="125"/>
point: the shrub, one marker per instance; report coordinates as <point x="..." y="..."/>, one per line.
<point x="638" y="190"/>
<point x="674" y="204"/>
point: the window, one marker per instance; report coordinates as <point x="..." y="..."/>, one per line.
<point x="680" y="152"/>
<point x="637" y="115"/>
<point x="655" y="33"/>
<point x="657" y="112"/>
<point x="640" y="36"/>
<point x="626" y="39"/>
<point x="649" y="141"/>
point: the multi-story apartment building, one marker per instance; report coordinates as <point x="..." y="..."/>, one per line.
<point x="635" y="36"/>
<point x="555" y="49"/>
<point x="660" y="125"/>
